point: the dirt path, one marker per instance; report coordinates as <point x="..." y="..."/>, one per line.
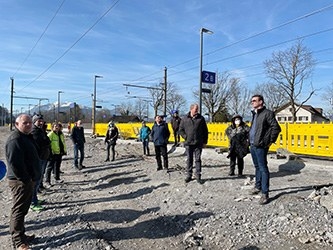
<point x="127" y="204"/>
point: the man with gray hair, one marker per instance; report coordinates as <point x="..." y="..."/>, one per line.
<point x="193" y="129"/>
<point x="23" y="171"/>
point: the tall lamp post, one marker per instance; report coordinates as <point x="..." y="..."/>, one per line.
<point x="202" y="30"/>
<point x="93" y="116"/>
<point x="59" y="92"/>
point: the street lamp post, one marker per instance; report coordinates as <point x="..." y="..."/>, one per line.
<point x="59" y="92"/>
<point x="93" y="116"/>
<point x="202" y="30"/>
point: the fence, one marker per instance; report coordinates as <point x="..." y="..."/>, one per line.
<point x="313" y="139"/>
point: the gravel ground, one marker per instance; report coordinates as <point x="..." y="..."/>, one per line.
<point x="127" y="204"/>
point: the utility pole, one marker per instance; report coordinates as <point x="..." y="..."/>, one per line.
<point x="3" y="115"/>
<point x="165" y="91"/>
<point x="11" y="103"/>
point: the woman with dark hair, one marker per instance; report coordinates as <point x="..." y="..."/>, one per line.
<point x="237" y="134"/>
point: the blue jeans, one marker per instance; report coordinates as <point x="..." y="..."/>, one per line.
<point x="42" y="164"/>
<point x="77" y="148"/>
<point x="145" y="144"/>
<point x="259" y="159"/>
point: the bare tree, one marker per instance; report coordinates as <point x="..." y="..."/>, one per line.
<point x="328" y="97"/>
<point x="126" y="109"/>
<point x="289" y="69"/>
<point x="215" y="101"/>
<point x="140" y="108"/>
<point x="156" y="93"/>
<point x="175" y="101"/>
<point x="239" y="98"/>
<point x="272" y="94"/>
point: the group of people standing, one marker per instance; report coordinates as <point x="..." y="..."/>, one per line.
<point x="256" y="139"/>
<point x="243" y="139"/>
<point x="31" y="153"/>
<point x="192" y="128"/>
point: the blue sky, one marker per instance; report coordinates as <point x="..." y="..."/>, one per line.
<point x="133" y="42"/>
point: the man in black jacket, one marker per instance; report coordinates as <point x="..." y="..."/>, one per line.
<point x="175" y="122"/>
<point x="263" y="132"/>
<point x="160" y="135"/>
<point x="43" y="148"/>
<point x="193" y="129"/>
<point x="79" y="140"/>
<point x="23" y="172"/>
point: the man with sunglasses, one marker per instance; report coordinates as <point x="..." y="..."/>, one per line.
<point x="263" y="132"/>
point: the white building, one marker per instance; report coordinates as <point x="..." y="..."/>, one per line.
<point x="306" y="113"/>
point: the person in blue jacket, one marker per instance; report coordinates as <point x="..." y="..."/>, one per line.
<point x="144" y="134"/>
<point x="160" y="135"/>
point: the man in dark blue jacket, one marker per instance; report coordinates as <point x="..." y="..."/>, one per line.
<point x="23" y="171"/>
<point x="79" y="140"/>
<point x="263" y="132"/>
<point x="193" y="129"/>
<point x="160" y="135"/>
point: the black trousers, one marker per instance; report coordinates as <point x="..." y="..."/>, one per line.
<point x="240" y="164"/>
<point x="112" y="147"/>
<point x="54" y="165"/>
<point x="161" y="150"/>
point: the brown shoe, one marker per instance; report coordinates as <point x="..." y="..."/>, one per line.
<point x="23" y="247"/>
<point x="254" y="191"/>
<point x="264" y="199"/>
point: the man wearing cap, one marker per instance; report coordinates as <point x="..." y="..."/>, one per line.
<point x="175" y="121"/>
<point x="23" y="171"/>
<point x="43" y="148"/>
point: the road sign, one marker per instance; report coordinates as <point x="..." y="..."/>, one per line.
<point x="98" y="107"/>
<point x="206" y="90"/>
<point x="208" y="77"/>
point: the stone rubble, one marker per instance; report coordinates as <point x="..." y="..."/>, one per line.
<point x="127" y="204"/>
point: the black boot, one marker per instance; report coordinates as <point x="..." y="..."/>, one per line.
<point x="232" y="171"/>
<point x="240" y="172"/>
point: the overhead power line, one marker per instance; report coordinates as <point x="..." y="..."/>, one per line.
<point x="46" y="28"/>
<point x="79" y="39"/>
<point x="248" y="38"/>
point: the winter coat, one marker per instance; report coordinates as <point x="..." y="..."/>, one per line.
<point x="111" y="135"/>
<point x="238" y="139"/>
<point x="144" y="133"/>
<point x="77" y="135"/>
<point x="194" y="130"/>
<point x="160" y="134"/>
<point x="22" y="157"/>
<point x="42" y="141"/>
<point x="56" y="139"/>
<point x="267" y="128"/>
<point x="175" y="122"/>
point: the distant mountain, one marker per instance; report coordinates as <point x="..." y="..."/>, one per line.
<point x="64" y="107"/>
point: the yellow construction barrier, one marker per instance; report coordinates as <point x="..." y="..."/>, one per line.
<point x="314" y="139"/>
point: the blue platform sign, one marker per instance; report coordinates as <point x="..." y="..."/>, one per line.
<point x="208" y="77"/>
